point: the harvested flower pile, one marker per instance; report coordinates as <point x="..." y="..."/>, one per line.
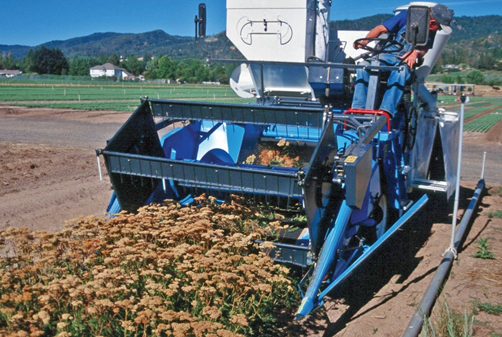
<point x="165" y="271"/>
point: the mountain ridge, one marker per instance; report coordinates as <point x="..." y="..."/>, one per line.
<point x="158" y="42"/>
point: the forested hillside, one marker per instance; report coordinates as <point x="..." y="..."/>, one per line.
<point x="476" y="43"/>
<point x="158" y="42"/>
<point x="153" y="43"/>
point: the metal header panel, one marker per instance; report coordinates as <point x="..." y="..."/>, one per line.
<point x="278" y="30"/>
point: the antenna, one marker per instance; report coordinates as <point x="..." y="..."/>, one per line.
<point x="200" y="27"/>
<point x="200" y="22"/>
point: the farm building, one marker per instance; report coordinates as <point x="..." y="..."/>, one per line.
<point x="9" y="73"/>
<point x="109" y="70"/>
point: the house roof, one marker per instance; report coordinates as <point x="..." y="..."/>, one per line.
<point x="107" y="66"/>
<point x="9" y="72"/>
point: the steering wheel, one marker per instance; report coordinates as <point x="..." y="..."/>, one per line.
<point x="383" y="45"/>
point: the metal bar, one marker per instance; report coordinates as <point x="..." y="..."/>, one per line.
<point x="328" y="252"/>
<point x="457" y="182"/>
<point x="373" y="130"/>
<point x="425" y="306"/>
<point x="289" y="253"/>
<point x="483" y="167"/>
<point x="310" y="64"/>
<point x="237" y="113"/>
<point x="99" y="169"/>
<point x="194" y="174"/>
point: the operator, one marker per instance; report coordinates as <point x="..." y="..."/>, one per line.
<point x="396" y="27"/>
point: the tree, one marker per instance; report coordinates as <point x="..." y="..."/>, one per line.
<point x="134" y="65"/>
<point x="151" y="68"/>
<point x="8" y="62"/>
<point x="446" y="79"/>
<point x="459" y="79"/>
<point x="28" y="63"/>
<point x="46" y="61"/>
<point x="166" y="68"/>
<point x="113" y="59"/>
<point x="80" y="65"/>
<point x="475" y="76"/>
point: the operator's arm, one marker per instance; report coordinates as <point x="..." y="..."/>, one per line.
<point x="375" y="32"/>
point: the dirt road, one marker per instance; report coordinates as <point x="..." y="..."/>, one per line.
<point x="48" y="174"/>
<point x="48" y="165"/>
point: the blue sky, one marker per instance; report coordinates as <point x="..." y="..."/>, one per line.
<point x="33" y="22"/>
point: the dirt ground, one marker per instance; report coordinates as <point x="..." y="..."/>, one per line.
<point x="49" y="174"/>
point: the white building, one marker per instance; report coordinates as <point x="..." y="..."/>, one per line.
<point x="109" y="70"/>
<point x="9" y="73"/>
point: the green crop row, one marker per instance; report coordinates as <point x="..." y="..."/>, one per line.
<point x="483" y="124"/>
<point x="78" y="93"/>
<point x="118" y="105"/>
<point x="126" y="105"/>
<point x="472" y="112"/>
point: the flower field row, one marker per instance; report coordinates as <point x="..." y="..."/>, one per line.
<point x="165" y="271"/>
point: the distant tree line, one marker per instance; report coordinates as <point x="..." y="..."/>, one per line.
<point x="478" y="54"/>
<point x="52" y="61"/>
<point x="473" y="76"/>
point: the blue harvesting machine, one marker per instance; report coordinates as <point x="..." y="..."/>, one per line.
<point x="357" y="169"/>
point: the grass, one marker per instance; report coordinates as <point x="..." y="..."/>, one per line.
<point x="483" y="250"/>
<point x="92" y="95"/>
<point x="492" y="309"/>
<point x="100" y="92"/>
<point x="497" y="191"/>
<point x="494" y="214"/>
<point x="449" y="323"/>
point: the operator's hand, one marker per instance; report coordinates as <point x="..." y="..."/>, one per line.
<point x="360" y="44"/>
<point x="410" y="58"/>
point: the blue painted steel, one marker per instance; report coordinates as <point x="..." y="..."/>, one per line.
<point x="113" y="206"/>
<point x="311" y="300"/>
<point x="326" y="258"/>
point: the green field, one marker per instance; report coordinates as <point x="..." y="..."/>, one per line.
<point x="484" y="123"/>
<point x="103" y="95"/>
<point x="107" y="96"/>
